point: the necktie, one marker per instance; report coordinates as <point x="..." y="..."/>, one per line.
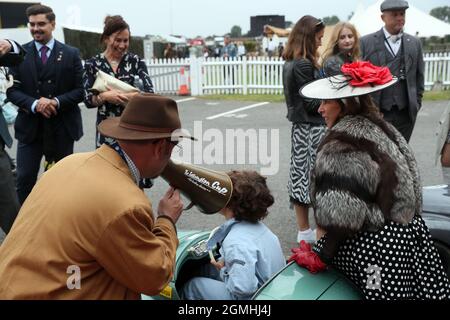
<point x="395" y="38"/>
<point x="44" y="57"/>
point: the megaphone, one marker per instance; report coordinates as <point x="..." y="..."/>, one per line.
<point x="209" y="190"/>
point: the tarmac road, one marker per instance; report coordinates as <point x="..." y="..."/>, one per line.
<point x="263" y="120"/>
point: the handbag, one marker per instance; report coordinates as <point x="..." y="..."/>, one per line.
<point x="104" y="80"/>
<point x="8" y="109"/>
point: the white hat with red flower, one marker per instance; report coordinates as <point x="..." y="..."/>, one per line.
<point x="357" y="79"/>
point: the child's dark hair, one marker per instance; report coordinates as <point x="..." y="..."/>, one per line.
<point x="251" y="197"/>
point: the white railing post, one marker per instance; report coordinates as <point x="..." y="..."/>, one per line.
<point x="201" y="74"/>
<point x="196" y="76"/>
<point x="244" y="76"/>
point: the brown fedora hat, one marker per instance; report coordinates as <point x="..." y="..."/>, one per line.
<point x="147" y="116"/>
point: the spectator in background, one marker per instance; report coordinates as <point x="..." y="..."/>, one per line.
<point x="271" y="48"/>
<point x="118" y="62"/>
<point x="217" y="51"/>
<point x="206" y="53"/>
<point x="11" y="54"/>
<point x="444" y="143"/>
<point x="402" y="53"/>
<point x="47" y="90"/>
<point x="229" y="49"/>
<point x="241" y="49"/>
<point x="280" y="49"/>
<point x="308" y="127"/>
<point x="343" y="47"/>
<point x="169" y="53"/>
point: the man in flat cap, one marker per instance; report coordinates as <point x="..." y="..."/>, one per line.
<point x="88" y="230"/>
<point x="402" y="53"/>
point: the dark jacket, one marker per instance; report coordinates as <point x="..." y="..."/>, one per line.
<point x="69" y="91"/>
<point x="12" y="59"/>
<point x="332" y="66"/>
<point x="296" y="74"/>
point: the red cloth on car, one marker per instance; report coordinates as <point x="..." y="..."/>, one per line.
<point x="307" y="258"/>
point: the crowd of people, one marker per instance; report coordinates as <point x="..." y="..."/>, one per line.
<point x="359" y="175"/>
<point x="352" y="116"/>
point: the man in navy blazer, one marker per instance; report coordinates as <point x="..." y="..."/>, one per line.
<point x="11" y="54"/>
<point x="47" y="89"/>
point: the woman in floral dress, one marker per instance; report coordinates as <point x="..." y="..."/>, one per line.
<point x="118" y="62"/>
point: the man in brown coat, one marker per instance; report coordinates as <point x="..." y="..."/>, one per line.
<point x="87" y="231"/>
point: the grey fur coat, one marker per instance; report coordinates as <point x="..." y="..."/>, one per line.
<point x="365" y="175"/>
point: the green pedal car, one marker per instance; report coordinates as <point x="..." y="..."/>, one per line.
<point x="290" y="283"/>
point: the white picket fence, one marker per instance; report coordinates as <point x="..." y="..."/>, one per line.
<point x="437" y="68"/>
<point x="166" y="74"/>
<point x="255" y="75"/>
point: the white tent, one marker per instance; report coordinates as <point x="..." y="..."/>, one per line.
<point x="417" y="22"/>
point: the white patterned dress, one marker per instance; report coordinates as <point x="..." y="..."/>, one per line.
<point x="305" y="139"/>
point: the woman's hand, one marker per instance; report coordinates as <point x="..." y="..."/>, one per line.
<point x="114" y="97"/>
<point x="97" y="101"/>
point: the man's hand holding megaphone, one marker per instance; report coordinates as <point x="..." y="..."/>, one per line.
<point x="170" y="205"/>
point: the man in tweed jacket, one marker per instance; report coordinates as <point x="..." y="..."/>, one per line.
<point x="402" y="53"/>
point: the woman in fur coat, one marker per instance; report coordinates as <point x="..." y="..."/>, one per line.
<point x="366" y="194"/>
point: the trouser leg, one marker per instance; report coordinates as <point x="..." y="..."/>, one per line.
<point x="401" y="120"/>
<point x="201" y="288"/>
<point x="64" y="143"/>
<point x="28" y="162"/>
<point x="9" y="203"/>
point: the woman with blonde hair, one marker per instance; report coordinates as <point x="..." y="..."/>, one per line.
<point x="308" y="127"/>
<point x="343" y="47"/>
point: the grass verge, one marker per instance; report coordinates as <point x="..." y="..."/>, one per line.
<point x="436" y="95"/>
<point x="278" y="98"/>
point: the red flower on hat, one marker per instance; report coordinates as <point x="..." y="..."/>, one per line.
<point x="363" y="73"/>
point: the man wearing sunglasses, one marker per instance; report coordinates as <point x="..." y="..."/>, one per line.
<point x="402" y="53"/>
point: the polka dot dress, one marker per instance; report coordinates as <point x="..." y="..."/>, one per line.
<point x="396" y="262"/>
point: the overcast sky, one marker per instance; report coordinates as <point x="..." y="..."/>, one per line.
<point x="203" y="17"/>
